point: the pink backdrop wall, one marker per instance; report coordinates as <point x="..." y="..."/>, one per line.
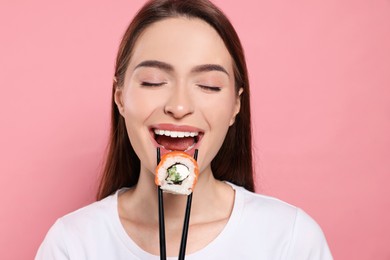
<point x="320" y="74"/>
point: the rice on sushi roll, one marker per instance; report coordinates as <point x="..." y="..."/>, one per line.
<point x="177" y="173"/>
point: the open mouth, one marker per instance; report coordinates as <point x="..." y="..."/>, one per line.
<point x="176" y="140"/>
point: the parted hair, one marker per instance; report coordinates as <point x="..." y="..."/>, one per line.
<point x="233" y="161"/>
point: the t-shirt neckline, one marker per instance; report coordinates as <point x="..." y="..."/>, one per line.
<point x="226" y="232"/>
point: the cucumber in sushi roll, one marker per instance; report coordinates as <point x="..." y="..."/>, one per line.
<point x="177" y="173"/>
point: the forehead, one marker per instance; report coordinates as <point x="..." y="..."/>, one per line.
<point x="182" y="42"/>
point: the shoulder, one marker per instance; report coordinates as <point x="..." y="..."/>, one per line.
<point x="280" y="226"/>
<point x="263" y="206"/>
<point x="76" y="230"/>
<point x="95" y="212"/>
<point x="308" y="240"/>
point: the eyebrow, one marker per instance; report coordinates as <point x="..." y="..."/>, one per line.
<point x="155" y="64"/>
<point x="169" y="68"/>
<point x="209" y="67"/>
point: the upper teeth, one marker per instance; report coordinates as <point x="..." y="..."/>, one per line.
<point x="175" y="133"/>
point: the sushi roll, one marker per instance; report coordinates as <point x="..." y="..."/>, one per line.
<point x="177" y="173"/>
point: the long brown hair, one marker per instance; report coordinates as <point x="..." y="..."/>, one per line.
<point x="233" y="162"/>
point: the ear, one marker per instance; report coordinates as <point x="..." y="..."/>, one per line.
<point x="237" y="106"/>
<point x="118" y="98"/>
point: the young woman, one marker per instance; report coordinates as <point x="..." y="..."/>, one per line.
<point x="181" y="84"/>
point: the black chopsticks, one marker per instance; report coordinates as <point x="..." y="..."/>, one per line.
<point x="183" y="243"/>
<point x="161" y="222"/>
<point x="184" y="235"/>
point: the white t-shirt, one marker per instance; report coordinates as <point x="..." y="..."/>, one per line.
<point x="260" y="227"/>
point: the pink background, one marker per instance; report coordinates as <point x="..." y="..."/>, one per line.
<point x="320" y="74"/>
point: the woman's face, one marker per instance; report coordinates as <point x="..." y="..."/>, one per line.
<point x="178" y="92"/>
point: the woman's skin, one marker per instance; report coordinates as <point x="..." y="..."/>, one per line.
<point x="180" y="78"/>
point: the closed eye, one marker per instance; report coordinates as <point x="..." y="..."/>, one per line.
<point x="210" y="88"/>
<point x="150" y="84"/>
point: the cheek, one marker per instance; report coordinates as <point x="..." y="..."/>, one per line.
<point x="139" y="104"/>
<point x="138" y="107"/>
<point x="220" y="110"/>
<point x="219" y="115"/>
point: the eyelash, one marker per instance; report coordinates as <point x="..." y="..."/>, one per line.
<point x="159" y="84"/>
<point x="210" y="88"/>
<point x="149" y="84"/>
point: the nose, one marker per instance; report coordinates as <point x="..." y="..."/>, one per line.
<point x="180" y="103"/>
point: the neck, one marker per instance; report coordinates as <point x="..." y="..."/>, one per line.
<point x="208" y="200"/>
